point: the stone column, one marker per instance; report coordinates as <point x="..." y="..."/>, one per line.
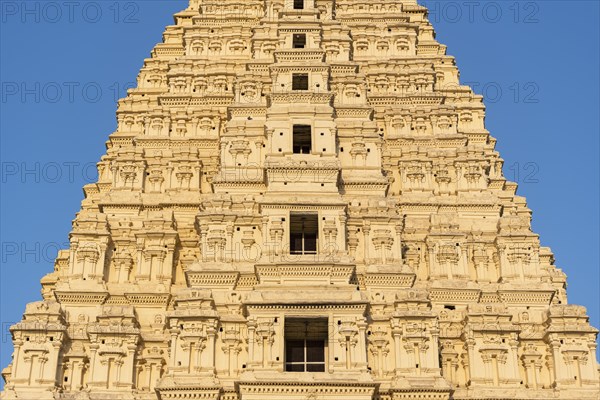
<point x="128" y="366"/>
<point x="53" y="362"/>
<point x="399" y="244"/>
<point x="471" y="351"/>
<point x="361" y="357"/>
<point x="251" y="331"/>
<point x="435" y="348"/>
<point x="174" y="334"/>
<point x="94" y="363"/>
<point x="366" y="231"/>
<point x="167" y="264"/>
<point x="514" y="357"/>
<point x="77" y="374"/>
<point x="555" y="348"/>
<point x="397" y="332"/>
<point x="16" y="358"/>
<point x="212" y="335"/>
<point x="592" y="359"/>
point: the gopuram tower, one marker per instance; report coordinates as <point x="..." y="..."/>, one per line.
<point x="301" y="202"/>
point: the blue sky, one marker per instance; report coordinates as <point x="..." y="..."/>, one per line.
<point x="63" y="68"/>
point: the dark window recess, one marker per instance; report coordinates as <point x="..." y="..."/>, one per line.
<point x="299" y="41"/>
<point x="304" y="232"/>
<point x="302" y="139"/>
<point x="298" y="4"/>
<point x="305" y="344"/>
<point x="299" y="81"/>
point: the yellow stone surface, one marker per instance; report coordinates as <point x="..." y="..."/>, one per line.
<point x="302" y="202"/>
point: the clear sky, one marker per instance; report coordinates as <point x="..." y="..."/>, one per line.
<point x="64" y="66"/>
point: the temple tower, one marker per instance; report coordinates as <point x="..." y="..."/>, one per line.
<point x="301" y="201"/>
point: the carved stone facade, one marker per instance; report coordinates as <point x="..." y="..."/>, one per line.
<point x="302" y="202"/>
